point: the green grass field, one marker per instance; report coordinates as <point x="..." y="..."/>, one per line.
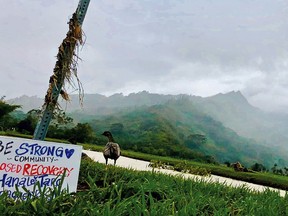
<point x="109" y="190"/>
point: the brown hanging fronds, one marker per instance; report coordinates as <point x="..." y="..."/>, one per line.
<point x="65" y="70"/>
<point x="64" y="95"/>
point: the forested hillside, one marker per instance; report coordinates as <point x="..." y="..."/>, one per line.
<point x="231" y="109"/>
<point x="235" y="112"/>
<point x="213" y="128"/>
<point x="171" y="128"/>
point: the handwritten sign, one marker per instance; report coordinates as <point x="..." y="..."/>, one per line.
<point x="26" y="163"/>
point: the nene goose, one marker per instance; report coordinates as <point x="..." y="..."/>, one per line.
<point x="112" y="149"/>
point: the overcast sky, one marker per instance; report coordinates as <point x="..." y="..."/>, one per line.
<point x="197" y="47"/>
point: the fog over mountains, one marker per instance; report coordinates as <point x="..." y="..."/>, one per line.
<point x="231" y="109"/>
<point x="164" y="46"/>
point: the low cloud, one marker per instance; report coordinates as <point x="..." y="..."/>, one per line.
<point x="194" y="47"/>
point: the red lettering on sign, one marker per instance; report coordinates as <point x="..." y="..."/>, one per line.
<point x="36" y="169"/>
<point x="10" y="167"/>
<point x="26" y="169"/>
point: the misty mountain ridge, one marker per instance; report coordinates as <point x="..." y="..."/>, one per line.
<point x="231" y="109"/>
<point x="168" y="127"/>
<point x="96" y="101"/>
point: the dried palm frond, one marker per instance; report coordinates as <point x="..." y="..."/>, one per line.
<point x="64" y="95"/>
<point x="65" y="70"/>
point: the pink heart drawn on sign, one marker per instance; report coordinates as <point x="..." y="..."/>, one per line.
<point x="69" y="152"/>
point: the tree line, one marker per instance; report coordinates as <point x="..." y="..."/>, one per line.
<point x="61" y="127"/>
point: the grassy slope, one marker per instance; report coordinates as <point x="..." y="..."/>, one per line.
<point x="109" y="190"/>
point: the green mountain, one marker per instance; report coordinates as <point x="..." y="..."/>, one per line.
<point x="235" y="112"/>
<point x="214" y="126"/>
<point x="176" y="126"/>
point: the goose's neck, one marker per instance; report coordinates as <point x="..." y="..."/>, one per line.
<point x="110" y="138"/>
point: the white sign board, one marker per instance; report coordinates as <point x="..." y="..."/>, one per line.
<point x="26" y="163"/>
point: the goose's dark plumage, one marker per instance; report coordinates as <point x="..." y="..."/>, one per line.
<point x="112" y="149"/>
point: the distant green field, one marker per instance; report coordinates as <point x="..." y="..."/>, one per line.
<point x="266" y="179"/>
